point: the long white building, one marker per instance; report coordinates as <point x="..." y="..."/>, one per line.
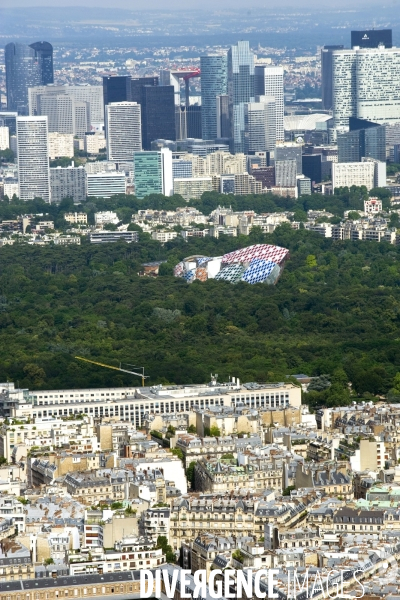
<point x="132" y="403"/>
<point x="106" y="184"/>
<point x="93" y="94"/>
<point x="33" y="158"/>
<point x="354" y="173"/>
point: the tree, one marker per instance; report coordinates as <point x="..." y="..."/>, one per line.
<point x="178" y="452"/>
<point x="7" y="155"/>
<point x="354" y="215"/>
<point x="311" y="261"/>
<point x="288" y="489"/>
<point x="162" y="542"/>
<point x="190" y="473"/>
<point x="215" y="431"/>
<point x="191" y="429"/>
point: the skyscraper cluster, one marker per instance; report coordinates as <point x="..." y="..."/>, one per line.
<point x="155" y="140"/>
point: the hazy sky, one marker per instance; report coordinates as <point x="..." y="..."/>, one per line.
<point x="196" y="4"/>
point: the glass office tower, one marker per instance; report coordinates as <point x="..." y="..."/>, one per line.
<point x="240" y="90"/>
<point x="158" y="114"/>
<point x="153" y="173"/>
<point x="214" y="82"/>
<point x="26" y="66"/>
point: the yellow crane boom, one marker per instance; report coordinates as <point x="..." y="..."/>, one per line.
<point x="99" y="364"/>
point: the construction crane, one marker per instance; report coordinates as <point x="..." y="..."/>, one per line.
<point x="99" y="364"/>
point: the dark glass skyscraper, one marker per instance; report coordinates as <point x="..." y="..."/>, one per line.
<point x="372" y="38"/>
<point x="365" y="139"/>
<point x="116" y="89"/>
<point x="214" y="82"/>
<point x="158" y="114"/>
<point x="240" y="90"/>
<point x="44" y="54"/>
<point x="26" y="66"/>
<point x="312" y="167"/>
<point x="137" y="84"/>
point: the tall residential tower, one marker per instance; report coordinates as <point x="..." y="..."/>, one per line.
<point x="33" y="158"/>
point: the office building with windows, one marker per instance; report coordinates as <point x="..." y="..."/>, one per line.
<point x="61" y="145"/>
<point x="158" y="114"/>
<point x="214" y="82"/>
<point x="26" y="66"/>
<point x="366" y="85"/>
<point x="188" y="121"/>
<point x="182" y="168"/>
<point x="223" y="123"/>
<point x="365" y="139"/>
<point x="290" y="151"/>
<point x="4" y="138"/>
<point x="133" y="403"/>
<point x="157" y="109"/>
<point x="33" y="158"/>
<point x="269" y="82"/>
<point x="266" y="175"/>
<point x="68" y="182"/>
<point x="192" y="188"/>
<point x="106" y="184"/>
<point x="153" y="173"/>
<point x="137" y="84"/>
<point x="312" y="167"/>
<point x="260" y="125"/>
<point x="64" y="113"/>
<point x="123" y="130"/>
<point x="326" y="75"/>
<point x="344" y="102"/>
<point x="285" y="173"/>
<point x="240" y="90"/>
<point x="354" y="173"/>
<point x="91" y="94"/>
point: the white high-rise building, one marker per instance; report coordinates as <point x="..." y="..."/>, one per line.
<point x="269" y="82"/>
<point x="354" y="173"/>
<point x="366" y="85"/>
<point x="123" y="130"/>
<point x="4" y="138"/>
<point x="93" y="94"/>
<point x="260" y="125"/>
<point x="33" y="158"/>
<point x="343" y="87"/>
<point x="378" y="84"/>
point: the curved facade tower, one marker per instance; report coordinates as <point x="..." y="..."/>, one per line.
<point x="26" y="66"/>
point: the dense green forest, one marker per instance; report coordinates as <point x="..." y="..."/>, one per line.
<point x="335" y="311"/>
